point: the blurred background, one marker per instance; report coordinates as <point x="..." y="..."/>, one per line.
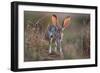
<point x="76" y="41"/>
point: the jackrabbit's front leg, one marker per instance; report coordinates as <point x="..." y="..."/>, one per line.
<point x="61" y="51"/>
<point x="50" y="45"/>
<point x="55" y="46"/>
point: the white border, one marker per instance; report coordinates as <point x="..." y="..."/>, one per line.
<point x="34" y="64"/>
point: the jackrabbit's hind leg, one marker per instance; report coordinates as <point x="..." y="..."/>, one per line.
<point x="61" y="50"/>
<point x="49" y="48"/>
<point x="60" y="44"/>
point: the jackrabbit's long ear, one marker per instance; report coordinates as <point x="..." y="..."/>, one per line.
<point x="66" y="21"/>
<point x="58" y="21"/>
